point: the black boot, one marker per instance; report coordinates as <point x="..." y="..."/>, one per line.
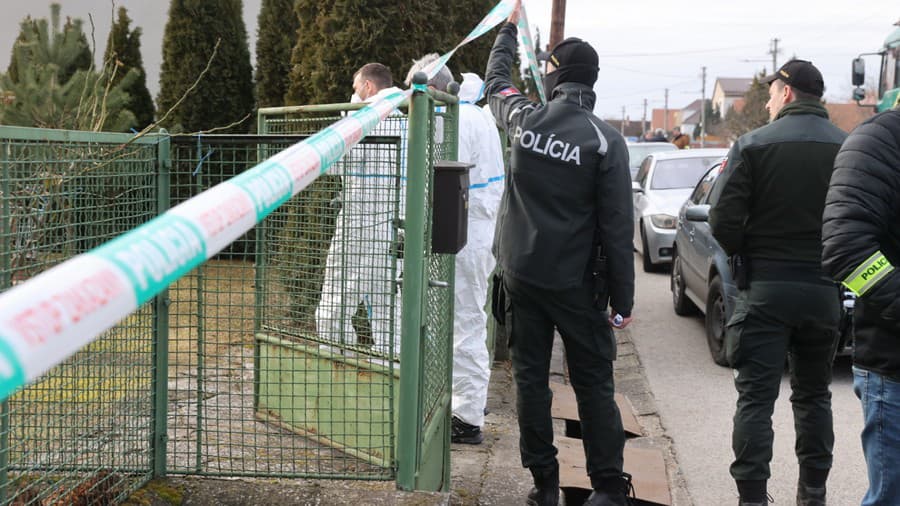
<point x="811" y="487"/>
<point x="546" y="496"/>
<point x="463" y="433"/>
<point x="810" y="496"/>
<point x="546" y="487"/>
<point x="612" y="492"/>
<point x="752" y="493"/>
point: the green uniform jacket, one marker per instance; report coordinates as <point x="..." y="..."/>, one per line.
<point x="769" y="204"/>
<point x="568" y="186"/>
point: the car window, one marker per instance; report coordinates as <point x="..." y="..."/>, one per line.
<point x="701" y="192"/>
<point x="641" y="176"/>
<point x="716" y="172"/>
<point x="637" y="152"/>
<point x="680" y="172"/>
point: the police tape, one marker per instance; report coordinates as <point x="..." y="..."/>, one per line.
<point x="51" y="316"/>
<point x="527" y="44"/>
<point x="498" y="15"/>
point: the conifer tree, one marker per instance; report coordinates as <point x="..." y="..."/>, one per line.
<point x="224" y="95"/>
<point x="337" y="38"/>
<point x="460" y="20"/>
<point x="123" y="55"/>
<point x="25" y="26"/>
<point x="51" y="85"/>
<point x="68" y="45"/>
<point x="276" y="33"/>
<point x="754" y="114"/>
<point x="84" y="57"/>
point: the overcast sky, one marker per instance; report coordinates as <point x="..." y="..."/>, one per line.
<point x="645" y="46"/>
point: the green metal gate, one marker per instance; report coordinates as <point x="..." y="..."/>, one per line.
<point x="226" y="373"/>
<point x="344" y="388"/>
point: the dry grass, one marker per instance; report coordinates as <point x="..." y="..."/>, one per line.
<point x="213" y="307"/>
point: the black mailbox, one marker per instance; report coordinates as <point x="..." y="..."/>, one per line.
<point x="450" y="216"/>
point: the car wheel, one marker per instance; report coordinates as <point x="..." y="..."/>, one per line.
<point x="683" y="306"/>
<point x="646" y="263"/>
<point x="715" y="321"/>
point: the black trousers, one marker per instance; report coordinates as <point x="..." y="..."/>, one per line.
<point x="774" y="321"/>
<point x="590" y="346"/>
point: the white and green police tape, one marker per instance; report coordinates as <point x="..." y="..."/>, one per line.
<point x="54" y="314"/>
<point x="51" y="316"/>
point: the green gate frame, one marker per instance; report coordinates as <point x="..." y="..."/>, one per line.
<point x="422" y="432"/>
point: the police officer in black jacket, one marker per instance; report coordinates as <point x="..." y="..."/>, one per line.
<point x="861" y="248"/>
<point x="767" y="213"/>
<point x="567" y="196"/>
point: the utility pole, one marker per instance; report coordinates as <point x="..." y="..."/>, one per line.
<point x="703" y="111"/>
<point x="666" y="117"/>
<point x="622" y="124"/>
<point x="644" y="120"/>
<point x="557" y="22"/>
<point x="774" y="52"/>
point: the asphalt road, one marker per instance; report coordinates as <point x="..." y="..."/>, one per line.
<point x="696" y="399"/>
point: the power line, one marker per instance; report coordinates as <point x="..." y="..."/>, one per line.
<point x="673" y="53"/>
<point x="650" y="90"/>
<point x="626" y="69"/>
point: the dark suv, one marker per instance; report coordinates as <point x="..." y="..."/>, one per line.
<point x="701" y="278"/>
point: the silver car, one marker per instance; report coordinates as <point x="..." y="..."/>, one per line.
<point x="637" y="151"/>
<point x="701" y="278"/>
<point x="662" y="184"/>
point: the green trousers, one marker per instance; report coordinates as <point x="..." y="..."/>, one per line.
<point x="775" y="321"/>
<point x="590" y="347"/>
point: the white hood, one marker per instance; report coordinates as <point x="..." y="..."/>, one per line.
<point x="472" y="88"/>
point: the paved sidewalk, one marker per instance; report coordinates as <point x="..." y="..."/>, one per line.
<point x="492" y="473"/>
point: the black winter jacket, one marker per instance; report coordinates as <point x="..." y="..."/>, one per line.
<point x="862" y="217"/>
<point x="568" y="186"/>
<point x="769" y="202"/>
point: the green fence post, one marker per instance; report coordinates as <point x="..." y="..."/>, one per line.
<point x="452" y="154"/>
<point x="6" y="251"/>
<point x="259" y="261"/>
<point x="410" y="423"/>
<point x="159" y="437"/>
<point x="5" y="282"/>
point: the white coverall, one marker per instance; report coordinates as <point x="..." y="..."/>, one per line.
<point x="361" y="266"/>
<point x="479" y="143"/>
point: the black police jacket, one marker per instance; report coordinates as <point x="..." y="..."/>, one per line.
<point x="568" y="186"/>
<point x="862" y="217"/>
<point x="769" y="199"/>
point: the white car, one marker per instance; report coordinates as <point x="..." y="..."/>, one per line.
<point x="663" y="183"/>
<point x="637" y="151"/>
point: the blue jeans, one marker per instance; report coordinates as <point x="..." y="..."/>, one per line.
<point x="880" y="398"/>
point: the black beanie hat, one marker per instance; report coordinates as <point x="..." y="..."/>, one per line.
<point x="575" y="61"/>
<point x="574" y="51"/>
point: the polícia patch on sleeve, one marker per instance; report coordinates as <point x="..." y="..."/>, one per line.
<point x="510" y="91"/>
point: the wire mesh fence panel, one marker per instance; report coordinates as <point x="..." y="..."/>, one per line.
<point x="233" y="398"/>
<point x="438" y="320"/>
<point x="80" y="434"/>
<point x="358" y="308"/>
<point x="277" y="357"/>
<point x="329" y="326"/>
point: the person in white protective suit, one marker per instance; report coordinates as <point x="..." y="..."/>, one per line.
<point x="362" y="267"/>
<point x="479" y="144"/>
